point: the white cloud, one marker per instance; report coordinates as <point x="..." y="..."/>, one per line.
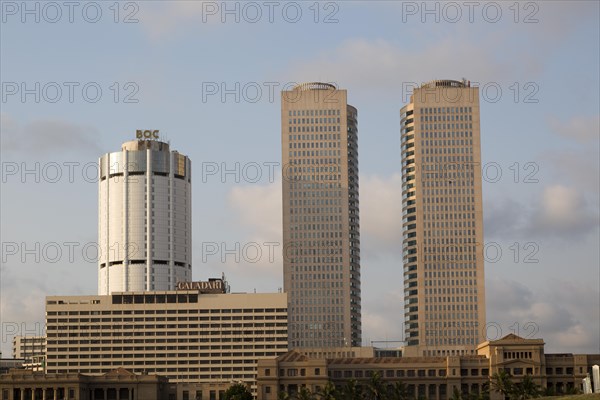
<point x="164" y="18"/>
<point x="563" y="211"/>
<point x="581" y="128"/>
<point x="381" y="211"/>
<point x="259" y="207"/>
<point x="380" y="64"/>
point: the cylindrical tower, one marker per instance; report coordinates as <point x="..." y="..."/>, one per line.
<point x="144" y="222"/>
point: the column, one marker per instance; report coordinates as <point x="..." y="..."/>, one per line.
<point x="55" y="393"/>
<point x="44" y="393"/>
<point x="23" y="394"/>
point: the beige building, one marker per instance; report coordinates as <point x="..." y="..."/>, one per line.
<point x="119" y="384"/>
<point x="32" y="349"/>
<point x="434" y="378"/>
<point x="321" y="265"/>
<point x="444" y="288"/>
<point x="204" y="341"/>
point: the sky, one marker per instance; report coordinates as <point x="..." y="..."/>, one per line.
<point x="79" y="78"/>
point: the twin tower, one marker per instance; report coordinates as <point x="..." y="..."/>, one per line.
<point x="145" y="218"/>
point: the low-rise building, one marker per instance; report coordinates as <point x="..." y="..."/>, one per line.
<point x="434" y="378"/>
<point x="119" y="384"/>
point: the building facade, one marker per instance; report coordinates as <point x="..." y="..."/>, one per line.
<point x="319" y="136"/>
<point x="442" y="220"/>
<point x="119" y="384"/>
<point x="144" y="218"/>
<point x="32" y="349"/>
<point x="201" y="341"/>
<point x="433" y="378"/>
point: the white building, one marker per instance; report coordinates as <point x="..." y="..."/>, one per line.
<point x="144" y="223"/>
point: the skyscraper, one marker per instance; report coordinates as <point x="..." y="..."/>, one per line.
<point x="320" y="216"/>
<point x="444" y="290"/>
<point x="144" y="221"/>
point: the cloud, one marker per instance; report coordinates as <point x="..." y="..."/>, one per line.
<point x="161" y="19"/>
<point x="259" y="207"/>
<point x="21" y="314"/>
<point x="561" y="313"/>
<point x="381" y="211"/>
<point x="563" y="211"/>
<point x="382" y="316"/>
<point x="47" y="137"/>
<point x="580" y="128"/>
<point x="503" y="218"/>
<point x="380" y="65"/>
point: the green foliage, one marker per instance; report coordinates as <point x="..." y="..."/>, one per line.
<point x="305" y="394"/>
<point x="352" y="391"/>
<point x="237" y="391"/>
<point x="526" y="389"/>
<point x="375" y="389"/>
<point x="397" y="391"/>
<point x="328" y="392"/>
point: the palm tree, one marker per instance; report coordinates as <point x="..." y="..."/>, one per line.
<point x="328" y="392"/>
<point x="526" y="389"/>
<point x="375" y="388"/>
<point x="305" y="394"/>
<point x="283" y="396"/>
<point x="502" y="383"/>
<point x="398" y="391"/>
<point x="352" y="391"/>
<point x="456" y="394"/>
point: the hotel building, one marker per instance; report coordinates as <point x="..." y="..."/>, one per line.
<point x="200" y="341"/>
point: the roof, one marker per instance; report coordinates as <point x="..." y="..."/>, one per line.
<point x="119" y="372"/>
<point x="293" y="355"/>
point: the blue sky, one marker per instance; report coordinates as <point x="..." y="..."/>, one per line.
<point x="544" y="124"/>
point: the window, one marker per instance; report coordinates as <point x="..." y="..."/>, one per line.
<point x="267" y="372"/>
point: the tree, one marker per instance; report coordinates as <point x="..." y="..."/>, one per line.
<point x="328" y="392"/>
<point x="237" y="391"/>
<point x="305" y="394"/>
<point x="375" y="388"/>
<point x="397" y="391"/>
<point x="526" y="389"/>
<point x="502" y="383"/>
<point x="456" y="394"/>
<point x="352" y="391"/>
<point x="283" y="396"/>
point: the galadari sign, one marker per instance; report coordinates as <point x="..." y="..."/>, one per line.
<point x="212" y="286"/>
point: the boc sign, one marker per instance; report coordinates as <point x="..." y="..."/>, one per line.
<point x="146" y="134"/>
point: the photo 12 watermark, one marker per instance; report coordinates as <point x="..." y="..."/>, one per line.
<point x="453" y="12"/>
<point x="69" y="92"/>
<point x="266" y="91"/>
<point x="71" y="12"/>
